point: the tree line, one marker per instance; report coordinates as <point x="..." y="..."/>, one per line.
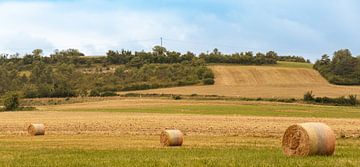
<point x="342" y="69"/>
<point x="159" y="55"/>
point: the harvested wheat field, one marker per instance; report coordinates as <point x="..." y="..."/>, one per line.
<point x="125" y="132"/>
<point x="263" y="81"/>
<point x="144" y="124"/>
<point x="149" y="116"/>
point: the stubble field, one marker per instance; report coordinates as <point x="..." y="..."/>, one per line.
<point x="125" y="132"/>
<point x="120" y="131"/>
<point x="286" y="80"/>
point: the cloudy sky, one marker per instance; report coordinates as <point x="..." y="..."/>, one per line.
<point x="308" y="28"/>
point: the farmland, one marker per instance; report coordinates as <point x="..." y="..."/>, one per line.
<point x="125" y="132"/>
<point x="286" y="80"/>
<point x="176" y="83"/>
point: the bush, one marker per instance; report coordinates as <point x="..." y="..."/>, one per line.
<point x="309" y="96"/>
<point x="108" y="94"/>
<point x="94" y="93"/>
<point x="208" y="81"/>
<point x="176" y="97"/>
<point x="11" y="102"/>
<point x="30" y="91"/>
<point x="351" y="101"/>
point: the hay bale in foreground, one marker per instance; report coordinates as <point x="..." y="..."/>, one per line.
<point x="36" y="129"/>
<point x="171" y="138"/>
<point x="308" y="139"/>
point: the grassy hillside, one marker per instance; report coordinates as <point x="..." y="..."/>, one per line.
<point x="293" y="64"/>
<point x="260" y="75"/>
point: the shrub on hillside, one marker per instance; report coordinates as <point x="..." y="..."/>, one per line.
<point x="108" y="94"/>
<point x="94" y="93"/>
<point x="11" y="102"/>
<point x="209" y="81"/>
<point x="309" y="96"/>
<point x="176" y="97"/>
<point x="353" y="99"/>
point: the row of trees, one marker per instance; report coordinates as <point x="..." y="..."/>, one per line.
<point x="69" y="56"/>
<point x="246" y="58"/>
<point x="293" y="59"/>
<point x="159" y="55"/>
<point x="342" y="69"/>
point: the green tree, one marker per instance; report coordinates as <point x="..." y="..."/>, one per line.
<point x="343" y="63"/>
<point x="325" y="60"/>
<point x="37" y="52"/>
<point x="11" y="102"/>
<point x="136" y="62"/>
<point x="159" y="50"/>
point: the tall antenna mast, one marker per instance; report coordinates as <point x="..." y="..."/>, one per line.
<point x="161" y="41"/>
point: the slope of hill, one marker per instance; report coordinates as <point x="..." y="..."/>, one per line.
<point x="263" y="81"/>
<point x="265" y="76"/>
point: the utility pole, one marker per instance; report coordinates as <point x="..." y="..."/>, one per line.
<point x="161" y="41"/>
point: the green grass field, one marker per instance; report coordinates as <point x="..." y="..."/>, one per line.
<point x="278" y="110"/>
<point x="279" y="64"/>
<point x="293" y="64"/>
<point x="137" y="151"/>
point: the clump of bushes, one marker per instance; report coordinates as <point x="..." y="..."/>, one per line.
<point x="208" y="81"/>
<point x="98" y="93"/>
<point x="309" y="96"/>
<point x="341" y="69"/>
<point x="108" y="94"/>
<point x="351" y="100"/>
<point x="11" y="102"/>
<point x="176" y="97"/>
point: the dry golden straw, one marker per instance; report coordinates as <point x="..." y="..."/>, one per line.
<point x="308" y="139"/>
<point x="36" y="129"/>
<point x="171" y="138"/>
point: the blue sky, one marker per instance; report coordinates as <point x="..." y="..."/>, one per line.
<point x="307" y="28"/>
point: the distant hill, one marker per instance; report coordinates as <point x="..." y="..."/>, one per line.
<point x="285" y="80"/>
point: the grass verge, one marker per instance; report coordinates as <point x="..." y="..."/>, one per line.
<point x="273" y="110"/>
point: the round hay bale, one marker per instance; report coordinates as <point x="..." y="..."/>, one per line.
<point x="36" y="129"/>
<point x="171" y="138"/>
<point x="308" y="139"/>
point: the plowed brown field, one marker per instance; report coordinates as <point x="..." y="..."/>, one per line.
<point x="263" y="81"/>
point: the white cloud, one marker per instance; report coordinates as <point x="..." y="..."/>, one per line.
<point x="91" y="32"/>
<point x="307" y="27"/>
